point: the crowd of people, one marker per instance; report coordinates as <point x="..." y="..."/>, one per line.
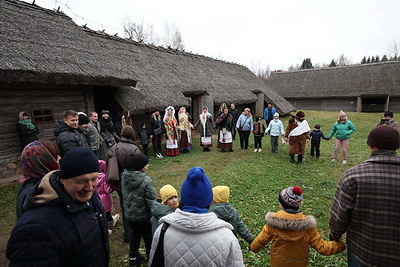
<point x="64" y="205"/>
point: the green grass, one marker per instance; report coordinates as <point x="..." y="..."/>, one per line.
<point x="255" y="179"/>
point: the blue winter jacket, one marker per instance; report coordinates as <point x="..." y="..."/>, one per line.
<point x="245" y="123"/>
<point x="275" y="128"/>
<point x="266" y="110"/>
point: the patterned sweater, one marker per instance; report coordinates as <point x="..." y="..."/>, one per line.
<point x="366" y="206"/>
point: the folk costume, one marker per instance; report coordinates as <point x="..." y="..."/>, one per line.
<point x="171" y="127"/>
<point x="298" y="132"/>
<point x="225" y="139"/>
<point x="207" y="127"/>
<point x="185" y="130"/>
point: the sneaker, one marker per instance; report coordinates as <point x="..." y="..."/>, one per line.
<point x="161" y="156"/>
<point x="109" y="232"/>
<point x="344" y="162"/>
<point x="334" y="160"/>
<point x="115" y="219"/>
<point x="255" y="150"/>
<point x="259" y="150"/>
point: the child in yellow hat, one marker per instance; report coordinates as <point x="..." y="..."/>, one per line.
<point x="169" y="203"/>
<point x="225" y="211"/>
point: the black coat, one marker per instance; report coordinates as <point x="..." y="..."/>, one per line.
<point x="316" y="137"/>
<point x="144" y="136"/>
<point x="68" y="138"/>
<point x="26" y="135"/>
<point x="155" y="123"/>
<point x="59" y="231"/>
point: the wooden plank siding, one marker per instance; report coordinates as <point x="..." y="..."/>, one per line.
<point x="15" y="98"/>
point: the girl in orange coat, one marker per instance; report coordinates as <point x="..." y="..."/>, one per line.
<point x="292" y="233"/>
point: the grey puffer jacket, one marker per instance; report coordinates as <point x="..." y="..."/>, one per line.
<point x="228" y="213"/>
<point x="197" y="240"/>
<point x="137" y="189"/>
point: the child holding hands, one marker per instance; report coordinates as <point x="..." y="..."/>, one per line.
<point x="225" y="211"/>
<point x="292" y="233"/>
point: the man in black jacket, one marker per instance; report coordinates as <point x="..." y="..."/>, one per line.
<point x="63" y="221"/>
<point x="235" y="116"/>
<point x="68" y="134"/>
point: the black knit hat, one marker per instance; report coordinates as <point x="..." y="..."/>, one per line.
<point x="137" y="162"/>
<point x="388" y="114"/>
<point x="77" y="161"/>
<point x="83" y="119"/>
<point x="384" y="137"/>
<point x="105" y="111"/>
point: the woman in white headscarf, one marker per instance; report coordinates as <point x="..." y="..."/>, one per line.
<point x="185" y="130"/>
<point x="207" y="128"/>
<point x="171" y="127"/>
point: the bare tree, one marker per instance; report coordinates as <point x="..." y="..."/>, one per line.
<point x="139" y="31"/>
<point x="343" y="61"/>
<point x="172" y="37"/>
<point x="259" y="70"/>
<point x="393" y="51"/>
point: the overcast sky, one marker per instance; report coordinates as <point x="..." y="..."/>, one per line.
<point x="277" y="33"/>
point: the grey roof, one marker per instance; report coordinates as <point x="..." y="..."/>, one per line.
<point x="44" y="46"/>
<point x="349" y="81"/>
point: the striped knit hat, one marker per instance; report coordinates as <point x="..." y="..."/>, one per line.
<point x="291" y="197"/>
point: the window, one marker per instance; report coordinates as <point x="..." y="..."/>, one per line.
<point x="42" y="115"/>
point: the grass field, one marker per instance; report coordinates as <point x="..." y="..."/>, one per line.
<point x="255" y="179"/>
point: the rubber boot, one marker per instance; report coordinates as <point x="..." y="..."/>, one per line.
<point x="291" y="158"/>
<point x="300" y="159"/>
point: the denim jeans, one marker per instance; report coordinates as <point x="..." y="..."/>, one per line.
<point x="352" y="261"/>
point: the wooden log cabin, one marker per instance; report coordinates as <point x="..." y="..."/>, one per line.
<point x="48" y="64"/>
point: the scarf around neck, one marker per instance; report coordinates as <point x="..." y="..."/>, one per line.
<point x="193" y="209"/>
<point x="28" y="124"/>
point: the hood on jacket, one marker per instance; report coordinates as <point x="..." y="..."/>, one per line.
<point x="290" y="222"/>
<point x="102" y="166"/>
<point x="225" y="211"/>
<point x="45" y="192"/>
<point x="61" y="127"/>
<point x="132" y="179"/>
<point x="194" y="222"/>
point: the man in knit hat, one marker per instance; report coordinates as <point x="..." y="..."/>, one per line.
<point x="194" y="235"/>
<point x="388" y="120"/>
<point x="366" y="204"/>
<point x="63" y="220"/>
<point x="225" y="211"/>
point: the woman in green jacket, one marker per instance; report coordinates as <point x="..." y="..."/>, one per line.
<point x="343" y="128"/>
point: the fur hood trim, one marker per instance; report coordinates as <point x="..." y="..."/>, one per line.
<point x="290" y="224"/>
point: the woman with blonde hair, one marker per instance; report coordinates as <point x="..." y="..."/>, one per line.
<point x="343" y="128"/>
<point x="244" y="126"/>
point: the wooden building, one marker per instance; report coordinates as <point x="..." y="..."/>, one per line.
<point x="371" y="87"/>
<point x="49" y="64"/>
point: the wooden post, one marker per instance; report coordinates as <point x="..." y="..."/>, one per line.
<point x="387" y="103"/>
<point x="259" y="110"/>
<point x="359" y="104"/>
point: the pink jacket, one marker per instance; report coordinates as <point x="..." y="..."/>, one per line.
<point x="104" y="189"/>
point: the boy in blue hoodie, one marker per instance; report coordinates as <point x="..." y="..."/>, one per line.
<point x="316" y="136"/>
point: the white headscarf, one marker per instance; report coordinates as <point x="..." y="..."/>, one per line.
<point x="166" y="112"/>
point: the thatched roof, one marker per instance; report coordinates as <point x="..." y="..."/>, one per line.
<point x="349" y="81"/>
<point x="44" y="46"/>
